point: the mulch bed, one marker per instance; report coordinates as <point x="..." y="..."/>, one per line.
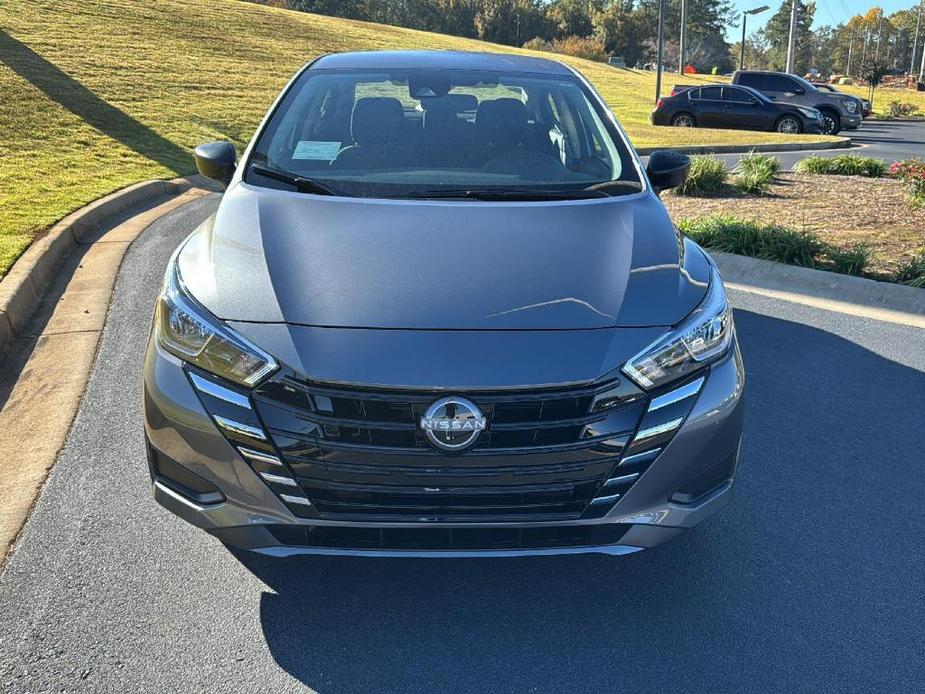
<point x="842" y="210"/>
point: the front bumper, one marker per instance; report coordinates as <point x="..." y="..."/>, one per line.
<point x="851" y="121"/>
<point x="689" y="480"/>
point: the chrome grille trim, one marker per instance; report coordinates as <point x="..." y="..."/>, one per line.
<point x="279" y="479"/>
<point x="660" y="429"/>
<point x="289" y="499"/>
<point x="239" y="428"/>
<point x="259" y="456"/>
<point x="676" y="395"/>
<point x="204" y="385"/>
<point x="643" y="457"/>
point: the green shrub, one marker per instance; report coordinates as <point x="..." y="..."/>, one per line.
<point x="900" y="109"/>
<point x="752" y="238"/>
<point x="783" y="244"/>
<point x="756" y="172"/>
<point x="912" y="272"/>
<point x="850" y="261"/>
<point x="842" y="165"/>
<point x="588" y="48"/>
<point x="708" y="175"/>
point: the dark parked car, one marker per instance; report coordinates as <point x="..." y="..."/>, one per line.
<point x="441" y="310"/>
<point x="838" y="110"/>
<point x="721" y="106"/>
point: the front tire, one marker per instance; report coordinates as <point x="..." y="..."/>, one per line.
<point x="831" y="123"/>
<point x="683" y="120"/>
<point x="789" y="125"/>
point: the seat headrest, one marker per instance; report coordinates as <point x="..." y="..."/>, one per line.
<point x="459" y="102"/>
<point x="443" y="112"/>
<point x="378" y="120"/>
<point x="502" y="121"/>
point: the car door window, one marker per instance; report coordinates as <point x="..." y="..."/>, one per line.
<point x="711" y="94"/>
<point x="738" y="96"/>
<point x="777" y="83"/>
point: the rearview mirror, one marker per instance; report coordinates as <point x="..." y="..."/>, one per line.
<point x="667" y="169"/>
<point x="216" y="160"/>
<point x="799" y="90"/>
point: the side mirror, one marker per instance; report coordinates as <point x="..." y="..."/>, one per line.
<point x="667" y="169"/>
<point x="216" y="160"/>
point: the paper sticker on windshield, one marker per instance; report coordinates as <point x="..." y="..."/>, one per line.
<point x="320" y="150"/>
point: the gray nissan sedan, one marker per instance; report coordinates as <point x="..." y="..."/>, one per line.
<point x="441" y="311"/>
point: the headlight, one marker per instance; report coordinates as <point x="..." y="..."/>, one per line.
<point x="702" y="337"/>
<point x="188" y="331"/>
<point x="850" y="105"/>
<point x="810" y="113"/>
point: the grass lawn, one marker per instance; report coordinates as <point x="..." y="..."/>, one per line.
<point x="99" y="94"/>
<point x="841" y="210"/>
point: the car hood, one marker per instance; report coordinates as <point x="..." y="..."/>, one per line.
<point x="278" y="257"/>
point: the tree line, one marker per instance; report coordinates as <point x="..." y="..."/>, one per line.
<point x="598" y="29"/>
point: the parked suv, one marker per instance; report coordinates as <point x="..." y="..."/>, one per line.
<point x="441" y="309"/>
<point x="838" y="110"/>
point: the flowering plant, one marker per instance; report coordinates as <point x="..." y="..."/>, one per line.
<point x="912" y="172"/>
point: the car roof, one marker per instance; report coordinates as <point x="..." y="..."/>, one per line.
<point x="439" y="60"/>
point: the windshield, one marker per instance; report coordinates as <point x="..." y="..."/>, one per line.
<point x="433" y="133"/>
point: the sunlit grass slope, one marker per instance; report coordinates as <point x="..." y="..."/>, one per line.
<point x="98" y="94"/>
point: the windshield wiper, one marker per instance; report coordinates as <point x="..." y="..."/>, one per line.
<point x="616" y="187"/>
<point x="302" y="184"/>
<point x="526" y="194"/>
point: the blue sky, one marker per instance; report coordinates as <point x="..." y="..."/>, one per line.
<point x="827" y="11"/>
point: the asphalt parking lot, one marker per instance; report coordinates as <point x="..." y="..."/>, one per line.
<point x="887" y="140"/>
<point x="813" y="579"/>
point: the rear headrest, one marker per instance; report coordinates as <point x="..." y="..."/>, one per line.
<point x="458" y="102"/>
<point x="443" y="112"/>
<point x="378" y="120"/>
<point x="502" y="121"/>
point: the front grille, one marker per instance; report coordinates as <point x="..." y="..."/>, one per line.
<point x="448" y="539"/>
<point x="359" y="454"/>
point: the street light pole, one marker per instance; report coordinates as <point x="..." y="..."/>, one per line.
<point x="659" y="49"/>
<point x="793" y="31"/>
<point x="742" y="46"/>
<point x="915" y="41"/>
<point x="682" y="47"/>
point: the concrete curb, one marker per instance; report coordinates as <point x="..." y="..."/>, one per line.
<point x="23" y="287"/>
<point x="894" y="120"/>
<point x="841" y="143"/>
<point x="858" y="296"/>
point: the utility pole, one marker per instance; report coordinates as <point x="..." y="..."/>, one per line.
<point x="922" y="66"/>
<point x="879" y="36"/>
<point x="850" y="48"/>
<point x="915" y="41"/>
<point x="791" y="45"/>
<point x="659" y="50"/>
<point x="682" y="52"/>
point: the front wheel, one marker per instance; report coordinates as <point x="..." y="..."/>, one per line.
<point x="683" y="120"/>
<point x="831" y="123"/>
<point x="789" y="125"/>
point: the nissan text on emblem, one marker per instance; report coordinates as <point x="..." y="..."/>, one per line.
<point x="453" y="423"/>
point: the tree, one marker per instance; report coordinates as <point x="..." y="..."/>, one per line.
<point x="622" y="29"/>
<point x="511" y="22"/>
<point x="777" y="34"/>
<point x="872" y="71"/>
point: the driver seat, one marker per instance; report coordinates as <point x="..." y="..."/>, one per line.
<point x="380" y="136"/>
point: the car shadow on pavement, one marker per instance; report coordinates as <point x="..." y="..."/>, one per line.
<point x="82" y="102"/>
<point x="810" y="578"/>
